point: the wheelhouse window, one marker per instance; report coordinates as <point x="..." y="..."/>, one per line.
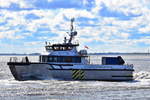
<point x="68" y="59"/>
<point x="50" y="59"/>
<point x="60" y="48"/>
<point x="69" y="48"/>
<point x="76" y="59"/>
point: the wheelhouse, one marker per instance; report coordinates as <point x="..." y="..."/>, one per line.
<point x="62" y="59"/>
<point x="60" y="47"/>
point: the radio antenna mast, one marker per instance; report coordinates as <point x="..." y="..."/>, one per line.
<point x="72" y="32"/>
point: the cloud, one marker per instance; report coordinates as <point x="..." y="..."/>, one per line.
<point x="101" y="24"/>
<point x="15" y="3"/>
<point x="126" y="6"/>
<point x="107" y="12"/>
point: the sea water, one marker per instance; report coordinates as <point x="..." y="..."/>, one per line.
<point x="139" y="88"/>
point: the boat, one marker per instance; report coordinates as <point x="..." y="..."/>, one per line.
<point x="64" y="62"/>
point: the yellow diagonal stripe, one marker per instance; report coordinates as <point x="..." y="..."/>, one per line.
<point x="78" y="74"/>
<point x="75" y="73"/>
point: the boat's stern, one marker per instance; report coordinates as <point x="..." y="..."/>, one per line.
<point x="20" y="68"/>
<point x="16" y="69"/>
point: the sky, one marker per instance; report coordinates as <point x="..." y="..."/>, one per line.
<point x="102" y="25"/>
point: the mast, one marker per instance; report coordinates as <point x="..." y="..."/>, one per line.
<point x="72" y="32"/>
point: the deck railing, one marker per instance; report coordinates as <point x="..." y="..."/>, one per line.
<point x="16" y="59"/>
<point x="13" y="59"/>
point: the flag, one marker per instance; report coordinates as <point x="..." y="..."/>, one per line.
<point x="86" y="47"/>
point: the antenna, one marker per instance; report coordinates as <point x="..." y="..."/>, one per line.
<point x="72" y="20"/>
<point x="72" y="32"/>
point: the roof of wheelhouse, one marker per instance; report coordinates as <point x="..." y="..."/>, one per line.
<point x="67" y="45"/>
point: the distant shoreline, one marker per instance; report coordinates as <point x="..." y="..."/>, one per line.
<point x="119" y="53"/>
<point x="15" y="54"/>
<point x="37" y="54"/>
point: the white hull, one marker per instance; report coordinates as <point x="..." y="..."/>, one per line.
<point x="47" y="71"/>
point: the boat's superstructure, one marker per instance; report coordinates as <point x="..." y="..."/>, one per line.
<point x="64" y="61"/>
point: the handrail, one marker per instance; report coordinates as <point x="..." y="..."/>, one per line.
<point x="13" y="59"/>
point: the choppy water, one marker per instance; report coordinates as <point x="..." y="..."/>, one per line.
<point x="11" y="89"/>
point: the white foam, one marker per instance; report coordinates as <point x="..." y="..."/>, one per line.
<point x="142" y="75"/>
